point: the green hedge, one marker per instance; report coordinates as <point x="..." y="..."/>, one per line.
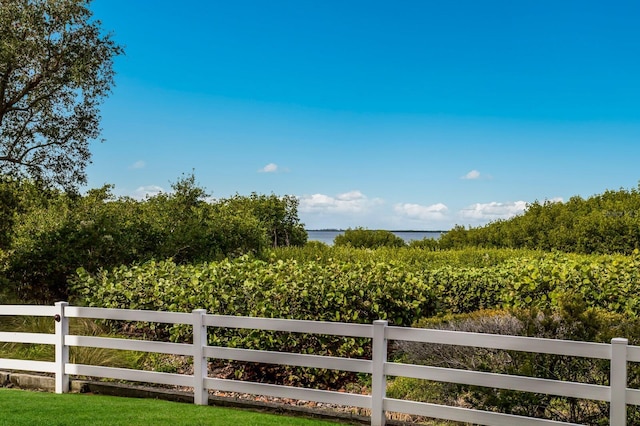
<point x="358" y="291"/>
<point x="347" y="292"/>
<point x="363" y="291"/>
<point x="367" y="289"/>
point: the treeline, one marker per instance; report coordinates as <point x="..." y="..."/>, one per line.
<point x="45" y="235"/>
<point x="604" y="223"/>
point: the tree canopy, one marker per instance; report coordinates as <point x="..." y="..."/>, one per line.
<point x="45" y="235"/>
<point x="56" y="68"/>
<point x="603" y="223"/>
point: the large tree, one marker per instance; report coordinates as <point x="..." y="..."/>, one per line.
<point x="56" y="67"/>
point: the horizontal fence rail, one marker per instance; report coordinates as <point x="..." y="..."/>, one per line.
<point x="501" y="381"/>
<point x="287" y="358"/>
<point x="292" y="326"/>
<point x="28" y="310"/>
<point x="129" y="315"/>
<point x="617" y="352"/>
<point x="498" y="341"/>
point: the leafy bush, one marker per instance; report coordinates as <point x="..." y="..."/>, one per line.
<point x="604" y="223"/>
<point x="468" y="280"/>
<point x="415" y="259"/>
<point x="611" y="282"/>
<point x="60" y="233"/>
<point x="279" y="215"/>
<point x="367" y="238"/>
<point x="359" y="293"/>
<point x="354" y="292"/>
<point x="425" y="244"/>
<point x="571" y="321"/>
<point x="53" y="233"/>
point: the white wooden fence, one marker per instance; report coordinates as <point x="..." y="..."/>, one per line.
<point x="618" y="352"/>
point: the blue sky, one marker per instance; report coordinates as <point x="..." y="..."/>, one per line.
<point x="391" y="115"/>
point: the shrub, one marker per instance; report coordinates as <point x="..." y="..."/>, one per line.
<point x="345" y="292"/>
<point x="425" y="244"/>
<point x="571" y="321"/>
<point x="605" y="223"/>
<point x="366" y="238"/>
<point x="53" y="233"/>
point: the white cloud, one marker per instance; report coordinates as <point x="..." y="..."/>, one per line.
<point x="143" y="192"/>
<point x="138" y="165"/>
<point x="473" y="174"/>
<point x="353" y="208"/>
<point x="351" y="196"/>
<point x="269" y="168"/>
<point x="348" y="202"/>
<point x="493" y="211"/>
<point x="423" y="213"/>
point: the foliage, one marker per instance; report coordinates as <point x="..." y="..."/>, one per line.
<point x="9" y="205"/>
<point x="604" y="223"/>
<point x="368" y="238"/>
<point x="355" y="292"/>
<point x="59" y="233"/>
<point x="606" y="281"/>
<point x="362" y="289"/>
<point x="425" y="244"/>
<point x="412" y="257"/>
<point x="347" y="292"/>
<point x="78" y="355"/>
<point x="572" y="320"/>
<point x="56" y="67"/>
<point x="467" y="280"/>
<point x="53" y="233"/>
<point x="357" y="285"/>
<point x="279" y="215"/>
<point x="184" y="226"/>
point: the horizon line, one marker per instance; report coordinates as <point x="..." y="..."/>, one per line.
<point x="390" y="230"/>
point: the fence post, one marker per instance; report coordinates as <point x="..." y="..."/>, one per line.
<point x="62" y="350"/>
<point x="200" y="365"/>
<point x="378" y="378"/>
<point x="618" y="383"/>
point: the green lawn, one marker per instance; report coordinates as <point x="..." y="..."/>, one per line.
<point x="19" y="407"/>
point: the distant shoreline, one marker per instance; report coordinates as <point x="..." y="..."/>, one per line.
<point x="328" y="236"/>
<point x="390" y="230"/>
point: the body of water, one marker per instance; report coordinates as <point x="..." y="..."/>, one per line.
<point x="327" y="236"/>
